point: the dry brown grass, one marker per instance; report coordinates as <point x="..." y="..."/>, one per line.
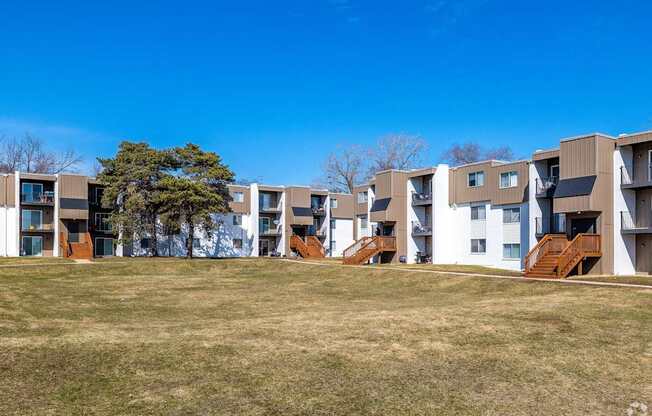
<point x="261" y="336"/>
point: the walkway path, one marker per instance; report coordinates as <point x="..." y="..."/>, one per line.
<point x="465" y="274"/>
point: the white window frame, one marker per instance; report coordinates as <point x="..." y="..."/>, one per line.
<point x="333" y="202"/>
<point x="550" y="175"/>
<point x="364" y="223"/>
<point x="511" y="246"/>
<point x="512" y="179"/>
<point x="237" y="219"/>
<point x="512" y="209"/>
<point x="479" y="253"/>
<point x="484" y="209"/>
<point x="238" y="196"/>
<point x="475" y="175"/>
<point x="333" y="224"/>
<point x="363" y="197"/>
<point x="333" y="246"/>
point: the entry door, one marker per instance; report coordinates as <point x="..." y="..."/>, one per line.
<point x="582" y="226"/>
<point x="73" y="231"/>
<point x="32" y="246"/>
<point x="263" y="247"/>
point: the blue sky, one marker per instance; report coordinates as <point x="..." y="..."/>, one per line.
<point x="274" y="86"/>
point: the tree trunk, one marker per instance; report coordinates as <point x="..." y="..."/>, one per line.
<point x="191" y="237"/>
<point x="154" y="235"/>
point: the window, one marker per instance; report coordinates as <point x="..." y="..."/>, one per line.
<point x="333" y="203"/>
<point x="478" y="246"/>
<point x="103" y="247"/>
<point x="478" y="213"/>
<point x="512" y="251"/>
<point x="509" y="179"/>
<point x="237" y="220"/>
<point x="31" y="192"/>
<point x="102" y="221"/>
<point x="333" y="246"/>
<point x="237" y="243"/>
<point x="98" y="194"/>
<point x="266" y="201"/>
<point x="32" y="219"/>
<point x="476" y="179"/>
<point x="144" y="243"/>
<point x="263" y="225"/>
<point x="511" y="215"/>
<point x="362" y="197"/>
<point x="238" y="196"/>
<point x="32" y="246"/>
<point x="333" y="224"/>
<point x="363" y="223"/>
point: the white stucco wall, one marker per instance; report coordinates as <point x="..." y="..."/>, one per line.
<point x="342" y="235"/>
<point x="624" y="200"/>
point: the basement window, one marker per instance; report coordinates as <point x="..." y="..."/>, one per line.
<point x="512" y="251"/>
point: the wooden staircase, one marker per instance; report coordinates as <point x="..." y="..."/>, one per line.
<point x="311" y="248"/>
<point x="556" y="257"/>
<point x="76" y="251"/>
<point x="367" y="247"/>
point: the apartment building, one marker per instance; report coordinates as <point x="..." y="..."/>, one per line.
<point x="633" y="204"/>
<point x="53" y="215"/>
<point x="472" y="214"/>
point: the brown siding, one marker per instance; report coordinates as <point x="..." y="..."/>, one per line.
<point x="73" y="187"/>
<point x="545" y="154"/>
<point x="344" y="206"/>
<point x="461" y="193"/>
<point x="602" y="200"/>
<point x="577" y="158"/>
<point x="645" y="136"/>
<point x="243" y="207"/>
<point x="644" y="253"/>
<point x="362" y="208"/>
<point x="641" y="160"/>
<point x="393" y="184"/>
<point x="572" y="204"/>
<point x="8" y="190"/>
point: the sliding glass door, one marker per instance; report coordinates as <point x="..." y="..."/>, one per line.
<point x="103" y="247"/>
<point x="32" y="246"/>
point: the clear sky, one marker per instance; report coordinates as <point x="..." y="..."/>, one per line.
<point x="273" y="86"/>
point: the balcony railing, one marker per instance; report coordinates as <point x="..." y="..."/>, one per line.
<point x="631" y="177"/>
<point x="45" y="198"/>
<point x="545" y="186"/>
<point x="270" y="231"/>
<point x="37" y="228"/>
<point x="421" y="229"/>
<point x="318" y="210"/>
<point x="629" y="224"/>
<point x="538" y="226"/>
<point x="420" y="198"/>
<point x="556" y="226"/>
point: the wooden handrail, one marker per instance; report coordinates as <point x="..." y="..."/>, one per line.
<point x="355" y="247"/>
<point x="550" y="243"/>
<point x="583" y="245"/>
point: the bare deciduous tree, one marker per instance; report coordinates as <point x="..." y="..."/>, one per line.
<point x="344" y="169"/>
<point x="397" y="151"/>
<point x="30" y="155"/>
<point x="469" y="152"/>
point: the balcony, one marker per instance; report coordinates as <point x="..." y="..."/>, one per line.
<point x="629" y="226"/>
<point x="633" y="178"/>
<point x="274" y="209"/>
<point x="37" y="228"/>
<point x="419" y="198"/>
<point x="37" y="198"/>
<point x="270" y="232"/>
<point x="421" y="230"/>
<point x="545" y="187"/>
<point x="318" y="211"/>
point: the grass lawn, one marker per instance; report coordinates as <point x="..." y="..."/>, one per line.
<point x="271" y="337"/>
